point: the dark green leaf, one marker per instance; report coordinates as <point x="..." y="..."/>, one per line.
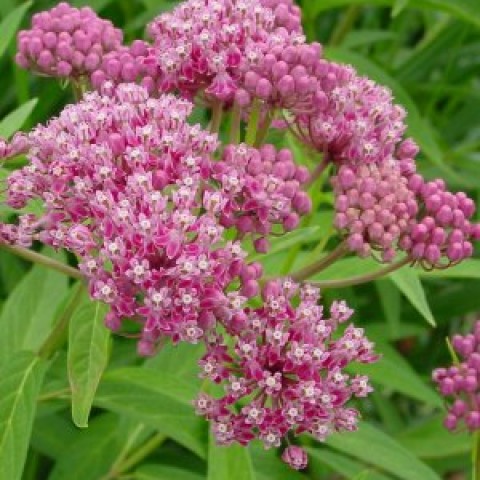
<point x="164" y="472"/>
<point x="162" y="401"/>
<point x="407" y="281"/>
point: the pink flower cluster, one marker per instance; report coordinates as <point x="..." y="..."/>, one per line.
<point x="126" y="186"/>
<point x="66" y="42"/>
<point x="356" y="121"/>
<point x="374" y="206"/>
<point x="284" y="371"/>
<point x="200" y="46"/>
<point x="460" y="383"/>
<point x="443" y="233"/>
<point x="259" y="188"/>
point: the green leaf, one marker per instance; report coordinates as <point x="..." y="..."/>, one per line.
<point x="52" y="434"/>
<point x="29" y="311"/>
<point x="431" y="439"/>
<point x="20" y="381"/>
<point x="408" y="282"/>
<point x="375" y="447"/>
<point x="394" y="372"/>
<point x="339" y="463"/>
<point x="399" y="6"/>
<point x="467" y="269"/>
<point x="390" y="299"/>
<point x="164" y="472"/>
<point x="267" y="465"/>
<point x="160" y="400"/>
<point x="88" y="347"/>
<point x="10" y="24"/>
<point x="93" y="452"/>
<point x="466" y="10"/>
<point x="14" y="121"/>
<point x="232" y="462"/>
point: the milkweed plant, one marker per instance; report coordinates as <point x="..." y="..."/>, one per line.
<point x="158" y="196"/>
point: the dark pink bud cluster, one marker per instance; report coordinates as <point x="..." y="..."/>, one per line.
<point x="356" y="121"/>
<point x="66" y="42"/>
<point x="460" y="383"/>
<point x="443" y="233"/>
<point x="126" y="185"/>
<point x="287" y="14"/>
<point x="374" y="207"/>
<point x="201" y="44"/>
<point x="285" y="371"/>
<point x="258" y="189"/>
<point x="124" y="65"/>
<point x="285" y="76"/>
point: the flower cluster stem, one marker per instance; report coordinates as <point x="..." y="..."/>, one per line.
<point x="35" y="257"/>
<point x="236" y="121"/>
<point x="217" y="113"/>
<point x="146" y="449"/>
<point x="316" y="267"/>
<point x="252" y="126"/>
<point x="359" y="279"/>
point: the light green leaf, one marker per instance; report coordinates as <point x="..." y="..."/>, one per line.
<point x="340" y="463"/>
<point x="164" y="472"/>
<point x="375" y="447"/>
<point x="20" y="381"/>
<point x="391" y="301"/>
<point x="467" y="269"/>
<point x="87" y="357"/>
<point x="394" y="372"/>
<point x="160" y="400"/>
<point x="268" y="465"/>
<point x="10" y="24"/>
<point x="232" y="462"/>
<point x="408" y="282"/>
<point x="29" y="311"/>
<point x="15" y="120"/>
<point x="399" y="6"/>
<point x="431" y="439"/>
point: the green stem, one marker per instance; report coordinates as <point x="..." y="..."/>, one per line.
<point x="263" y="131"/>
<point x="317" y="173"/>
<point x="349" y="17"/>
<point x="35" y="257"/>
<point x="53" y="395"/>
<point x="349" y="282"/>
<point x="77" y="90"/>
<point x="58" y="335"/>
<point x="322" y="264"/>
<point x="252" y="126"/>
<point x="144" y="451"/>
<point x="236" y="122"/>
<point x="217" y="112"/>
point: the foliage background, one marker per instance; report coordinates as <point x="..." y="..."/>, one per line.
<point x="142" y="425"/>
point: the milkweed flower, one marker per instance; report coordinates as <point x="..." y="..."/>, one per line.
<point x="126" y="184"/>
<point x="285" y="371"/>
